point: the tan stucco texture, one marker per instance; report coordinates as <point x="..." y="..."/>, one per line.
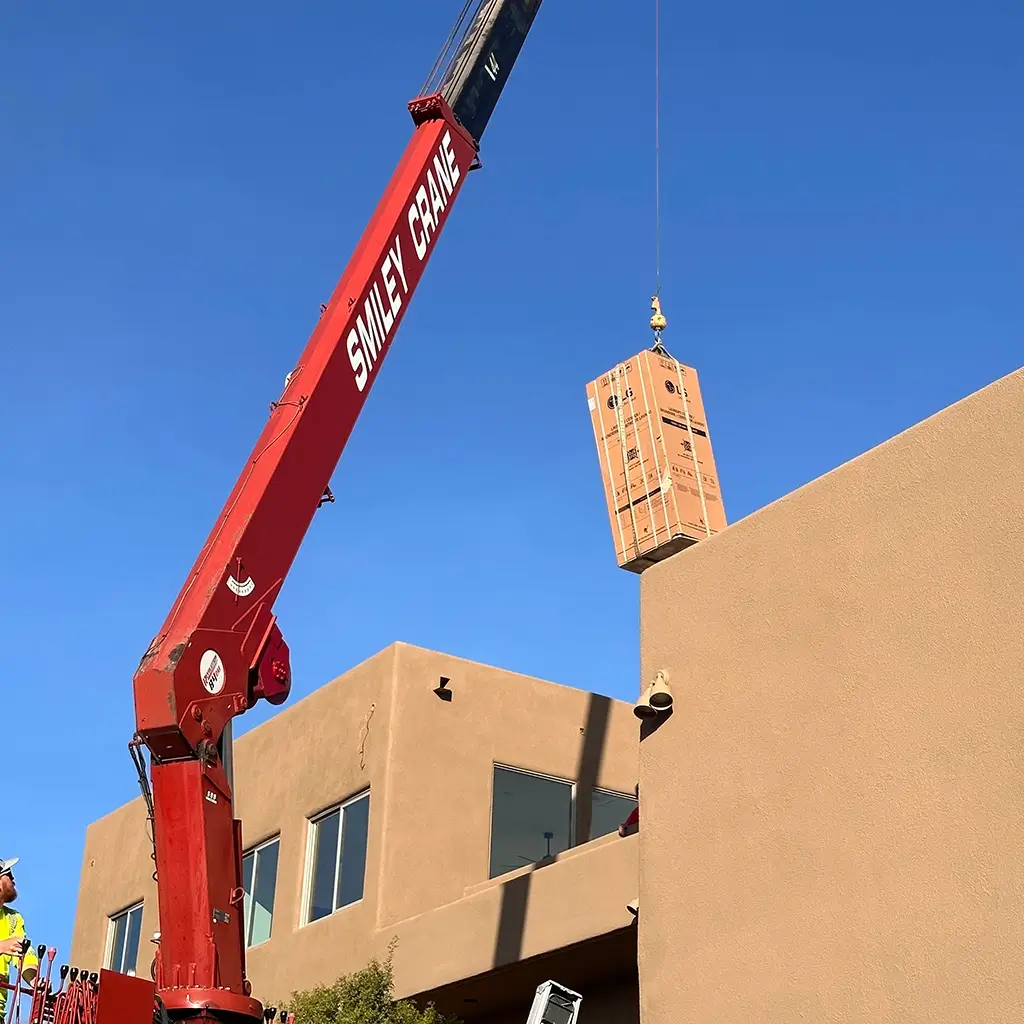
<point x="833" y="815"/>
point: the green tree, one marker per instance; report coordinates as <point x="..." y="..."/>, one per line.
<point x="365" y="997"/>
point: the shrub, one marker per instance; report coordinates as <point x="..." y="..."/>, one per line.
<point x="365" y="997"/>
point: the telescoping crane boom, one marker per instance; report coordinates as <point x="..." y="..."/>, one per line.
<point x="221" y="649"/>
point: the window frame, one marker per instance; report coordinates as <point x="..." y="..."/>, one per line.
<point x="112" y="920"/>
<point x="571" y="783"/>
<point x="248" y="918"/>
<point x="312" y="823"/>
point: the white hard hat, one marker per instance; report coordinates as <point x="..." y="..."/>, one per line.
<point x="6" y="866"/>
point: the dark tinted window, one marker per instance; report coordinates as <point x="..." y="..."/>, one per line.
<point x="339" y="858"/>
<point x="531" y="818"/>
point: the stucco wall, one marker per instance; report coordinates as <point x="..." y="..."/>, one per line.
<point x="580" y="895"/>
<point x="428" y="764"/>
<point x="833" y="816"/>
<point x="440" y="767"/>
<point x="117" y="872"/>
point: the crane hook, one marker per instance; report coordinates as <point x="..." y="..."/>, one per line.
<point x="658" y="323"/>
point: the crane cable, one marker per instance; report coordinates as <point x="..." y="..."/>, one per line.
<point x="657" y="147"/>
<point x="430" y="83"/>
<point x="658" y="321"/>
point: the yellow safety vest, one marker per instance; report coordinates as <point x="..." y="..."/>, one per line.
<point x="12" y="925"/>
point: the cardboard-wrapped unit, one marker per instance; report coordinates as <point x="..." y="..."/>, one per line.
<point x="656" y="460"/>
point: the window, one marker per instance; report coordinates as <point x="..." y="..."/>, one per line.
<point x="123" y="940"/>
<point x="531" y="818"/>
<point x="337" y="851"/>
<point x="259" y="880"/>
<point x="609" y="811"/>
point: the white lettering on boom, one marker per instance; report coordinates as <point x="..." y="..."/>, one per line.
<point x="375" y="321"/>
<point x="432" y="197"/>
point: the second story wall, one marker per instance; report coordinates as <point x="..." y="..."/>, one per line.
<point x="311" y="755"/>
<point x="310" y="759"/>
<point x="441" y="769"/>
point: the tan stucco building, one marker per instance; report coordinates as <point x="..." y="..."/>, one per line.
<point x="377" y="809"/>
<point x="833" y="816"/>
<point x="833" y="812"/>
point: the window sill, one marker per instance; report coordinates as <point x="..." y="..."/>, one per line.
<point x="575" y="851"/>
<point x="333" y="914"/>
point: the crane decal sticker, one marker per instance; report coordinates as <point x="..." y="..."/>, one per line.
<point x="241" y="589"/>
<point x="211" y="669"/>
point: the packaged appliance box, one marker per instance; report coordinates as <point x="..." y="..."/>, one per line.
<point x="656" y="460"/>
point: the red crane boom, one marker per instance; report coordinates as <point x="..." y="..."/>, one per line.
<point x="220" y="648"/>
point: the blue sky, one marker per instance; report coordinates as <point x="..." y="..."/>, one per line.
<point x="181" y="186"/>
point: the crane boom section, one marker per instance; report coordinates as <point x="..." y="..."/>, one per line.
<point x="484" y="59"/>
<point x="198" y="672"/>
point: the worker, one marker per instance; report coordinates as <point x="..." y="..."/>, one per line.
<point x="634" y="815"/>
<point x="12" y="935"/>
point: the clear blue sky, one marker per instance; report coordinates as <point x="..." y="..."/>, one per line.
<point x="181" y="185"/>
